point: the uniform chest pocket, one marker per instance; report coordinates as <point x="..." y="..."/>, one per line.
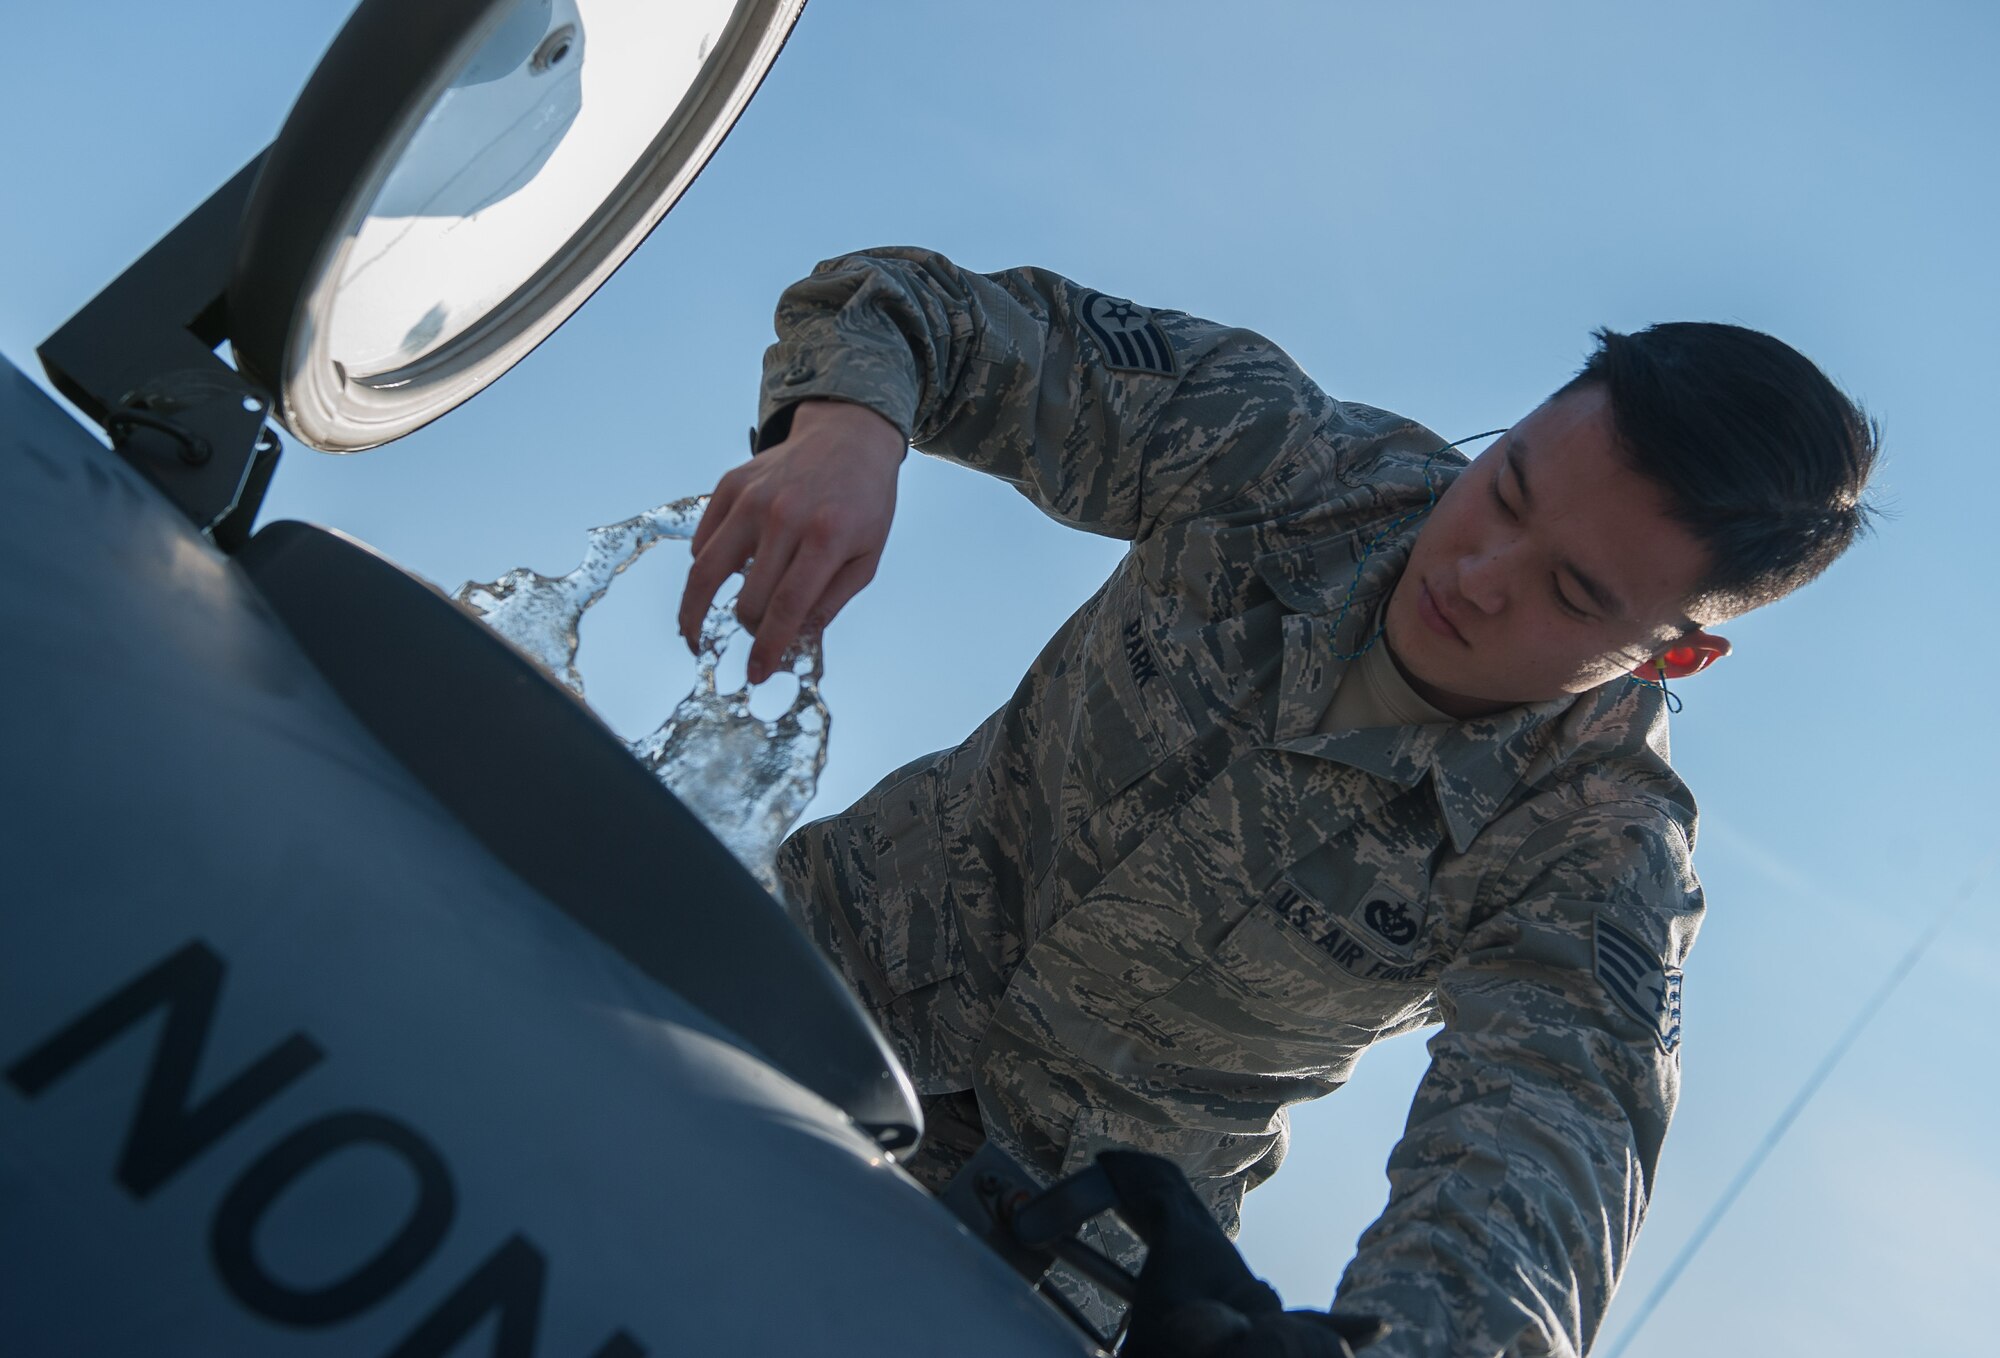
<point x="1292" y="987"/>
<point x="1306" y="956"/>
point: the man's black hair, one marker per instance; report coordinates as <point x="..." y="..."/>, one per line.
<point x="1760" y="455"/>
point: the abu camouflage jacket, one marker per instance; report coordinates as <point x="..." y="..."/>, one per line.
<point x="1144" y="904"/>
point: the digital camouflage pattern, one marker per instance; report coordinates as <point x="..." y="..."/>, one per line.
<point x="1144" y="904"/>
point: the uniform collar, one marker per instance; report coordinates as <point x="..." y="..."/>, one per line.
<point x="1477" y="764"/>
<point x="1474" y="765"/>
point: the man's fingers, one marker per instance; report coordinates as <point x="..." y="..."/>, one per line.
<point x="811" y="573"/>
<point x="720" y="500"/>
<point x="773" y="558"/>
<point x="805" y="522"/>
<point x="720" y="558"/>
<point x="1153" y="1192"/>
<point x="779" y="629"/>
<point x="847" y="582"/>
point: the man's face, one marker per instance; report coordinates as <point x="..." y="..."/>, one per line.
<point x="1548" y="567"/>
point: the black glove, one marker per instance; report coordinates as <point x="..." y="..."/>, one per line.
<point x="1197" y="1298"/>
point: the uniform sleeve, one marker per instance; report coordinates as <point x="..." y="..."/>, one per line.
<point x="1518" y="1187"/>
<point x="1109" y="417"/>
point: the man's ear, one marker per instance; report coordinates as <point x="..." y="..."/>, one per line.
<point x="1691" y="654"/>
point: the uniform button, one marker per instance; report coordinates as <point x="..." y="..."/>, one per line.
<point x="798" y="374"/>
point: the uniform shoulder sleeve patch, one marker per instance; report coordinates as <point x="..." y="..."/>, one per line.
<point x="1131" y="339"/>
<point x="1639" y="982"/>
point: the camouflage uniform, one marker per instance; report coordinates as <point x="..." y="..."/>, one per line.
<point x="1145" y="904"/>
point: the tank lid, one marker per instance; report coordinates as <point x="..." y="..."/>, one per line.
<point x="457" y="177"/>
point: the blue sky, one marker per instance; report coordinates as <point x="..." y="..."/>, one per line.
<point x="1429" y="205"/>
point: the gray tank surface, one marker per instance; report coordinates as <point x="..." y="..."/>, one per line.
<point x="291" y="1062"/>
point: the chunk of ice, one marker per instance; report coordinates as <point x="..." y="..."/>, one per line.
<point x="746" y="778"/>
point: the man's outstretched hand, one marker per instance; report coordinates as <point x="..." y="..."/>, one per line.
<point x="1197" y="1298"/>
<point x="809" y="516"/>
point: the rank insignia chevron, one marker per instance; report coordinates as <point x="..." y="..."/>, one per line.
<point x="1131" y="339"/>
<point x="1642" y="986"/>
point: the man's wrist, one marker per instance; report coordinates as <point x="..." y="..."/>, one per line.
<point x="777" y="427"/>
<point x="855" y="424"/>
